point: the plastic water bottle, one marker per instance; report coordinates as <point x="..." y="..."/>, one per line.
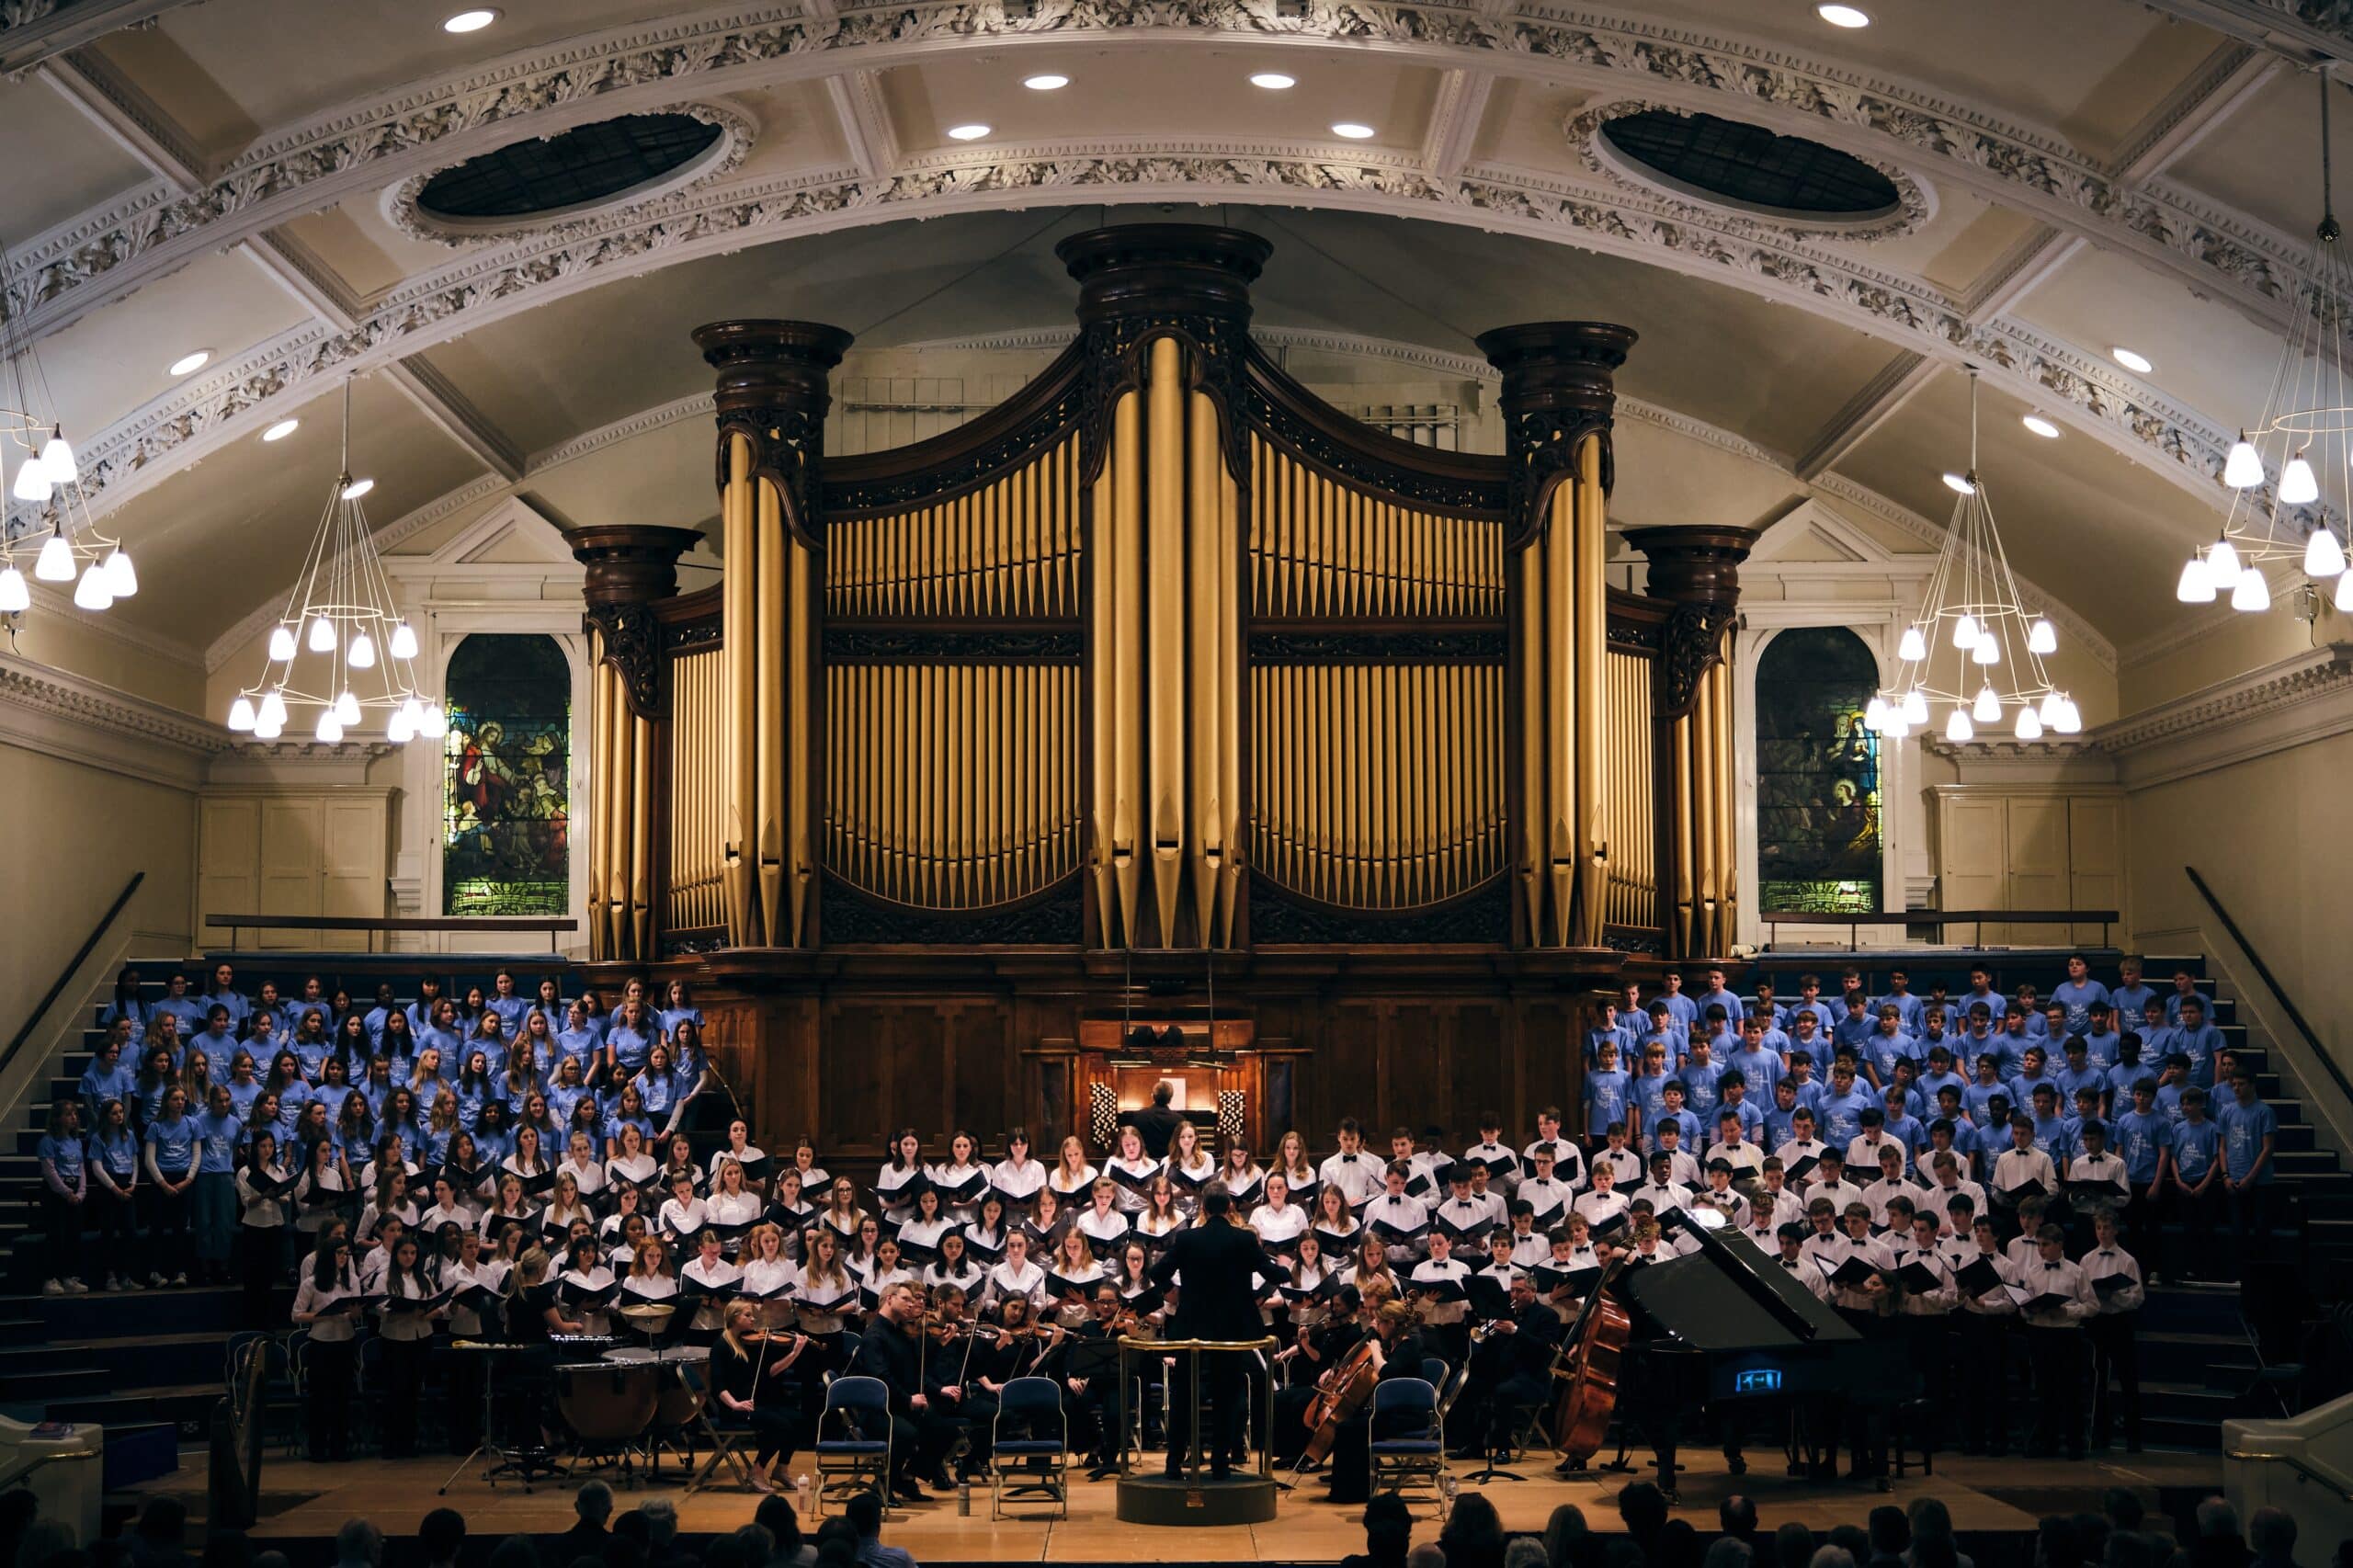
<point x="964" y="1497"/>
<point x="801" y="1494"/>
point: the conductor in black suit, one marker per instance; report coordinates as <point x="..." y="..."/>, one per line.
<point x="1157" y="1123"/>
<point x="1223" y="1265"/>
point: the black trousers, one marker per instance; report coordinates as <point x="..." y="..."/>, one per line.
<point x="2116" y="1375"/>
<point x="778" y="1431"/>
<point x="1492" y="1410"/>
<point x="2056" y="1357"/>
<point x="1865" y="1422"/>
<point x="1929" y="1342"/>
<point x="260" y="1251"/>
<point x="116" y="1229"/>
<point x="60" y="1225"/>
<point x="400" y="1385"/>
<point x="328" y="1365"/>
<point x="2254" y="1214"/>
<point x="171" y="1228"/>
<point x="1097" y="1413"/>
<point x="2201" y="1214"/>
<point x="1221" y="1377"/>
<point x="1983" y="1345"/>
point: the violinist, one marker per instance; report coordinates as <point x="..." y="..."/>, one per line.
<point x="1397" y="1352"/>
<point x="892" y="1353"/>
<point x="1315" y="1350"/>
<point x="1511" y="1373"/>
<point x="947" y="1379"/>
<point x="743" y="1359"/>
<point x="1085" y="1361"/>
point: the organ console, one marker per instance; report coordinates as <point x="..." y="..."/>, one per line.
<point x="1162" y="679"/>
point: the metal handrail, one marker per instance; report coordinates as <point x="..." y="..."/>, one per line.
<point x="374" y="925"/>
<point x="2303" y="1469"/>
<point x="2263" y="973"/>
<point x="1940" y="918"/>
<point x="73" y="967"/>
<point x="61" y="1456"/>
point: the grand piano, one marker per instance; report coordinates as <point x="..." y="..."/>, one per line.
<point x="1727" y="1328"/>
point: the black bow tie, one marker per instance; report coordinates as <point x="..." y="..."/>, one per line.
<point x="2107" y="1251"/>
<point x="1348" y="1159"/>
<point x="2053" y="1266"/>
<point x="1788" y="1264"/>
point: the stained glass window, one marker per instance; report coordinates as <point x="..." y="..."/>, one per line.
<point x="505" y="815"/>
<point x="1817" y="774"/>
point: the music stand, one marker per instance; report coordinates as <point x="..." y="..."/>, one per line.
<point x="530" y="1464"/>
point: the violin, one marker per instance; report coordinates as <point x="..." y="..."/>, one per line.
<point x="1584" y="1372"/>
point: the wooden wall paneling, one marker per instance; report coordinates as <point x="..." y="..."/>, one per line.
<point x="293" y="847"/>
<point x="1478" y="1071"/>
<point x="980" y="1047"/>
<point x="1416" y="1069"/>
<point x="356" y="849"/>
<point x="917" y="1072"/>
<point x="1972" y="843"/>
<point x="228" y="875"/>
<point x="2037" y="856"/>
<point x="2094" y="859"/>
<point x="854" y="1066"/>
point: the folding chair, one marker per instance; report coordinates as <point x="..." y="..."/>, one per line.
<point x="721" y="1426"/>
<point x="1414" y="1458"/>
<point x="850" y="1457"/>
<point x="1037" y="1465"/>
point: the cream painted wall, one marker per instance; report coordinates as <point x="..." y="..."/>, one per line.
<point x="2268" y="837"/>
<point x="72" y="837"/>
<point x="66" y="640"/>
<point x="2209" y="650"/>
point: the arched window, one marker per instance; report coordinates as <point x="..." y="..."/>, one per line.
<point x="1817" y="774"/>
<point x="505" y="798"/>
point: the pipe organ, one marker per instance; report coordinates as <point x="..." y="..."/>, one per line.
<point x="1162" y="678"/>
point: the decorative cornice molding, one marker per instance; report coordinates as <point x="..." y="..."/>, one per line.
<point x="1715" y="435"/>
<point x="696" y="406"/>
<point x="66" y="716"/>
<point x="502" y="280"/>
<point x="737" y="130"/>
<point x="2266" y="691"/>
<point x="105" y="253"/>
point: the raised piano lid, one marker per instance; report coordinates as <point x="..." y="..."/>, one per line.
<point x="1726" y="1297"/>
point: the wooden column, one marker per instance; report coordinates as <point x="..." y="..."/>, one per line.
<point x="1558" y="394"/>
<point x="628" y="568"/>
<point x="1696" y="572"/>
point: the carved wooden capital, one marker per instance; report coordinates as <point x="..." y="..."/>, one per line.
<point x="1559" y="387"/>
<point x="628" y="567"/>
<point x="1696" y="570"/>
<point x="773" y="392"/>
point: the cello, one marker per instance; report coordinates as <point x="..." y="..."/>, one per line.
<point x="1340" y="1395"/>
<point x="1585" y="1370"/>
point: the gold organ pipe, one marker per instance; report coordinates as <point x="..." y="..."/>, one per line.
<point x="1589" y="623"/>
<point x="620" y="774"/>
<point x="739" y="645"/>
<point x="1127" y="656"/>
<point x="600" y="851"/>
<point x="1164" y="668"/>
<point x="1229" y="590"/>
<point x="1204" y="632"/>
<point x="1102" y="706"/>
<point x="770" y="629"/>
<point x="641" y="835"/>
<point x="800" y="716"/>
<point x="1727" y="868"/>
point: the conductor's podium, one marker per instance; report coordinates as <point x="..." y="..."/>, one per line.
<point x="1148" y="1496"/>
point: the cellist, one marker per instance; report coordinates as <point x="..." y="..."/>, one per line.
<point x="1397" y="1352"/>
<point x="1309" y="1358"/>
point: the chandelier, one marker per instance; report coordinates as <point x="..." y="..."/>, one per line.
<point x="341" y="626"/>
<point x="40" y="470"/>
<point x="2306" y="432"/>
<point x="1973" y="650"/>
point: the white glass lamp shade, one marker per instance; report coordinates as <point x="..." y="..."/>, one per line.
<point x="1958" y="729"/>
<point x="436" y="723"/>
<point x="1875" y="715"/>
<point x="15" y="594"/>
<point x="1914" y="647"/>
<point x="1915" y="708"/>
<point x="1896" y="727"/>
<point x="281" y="643"/>
<point x="55" y="561"/>
<point x="2222" y="563"/>
<point x="2298" y="486"/>
<point x="33" y="481"/>
<point x="268" y="729"/>
<point x="1964" y="632"/>
<point x="1988" y="706"/>
<point x="400" y="729"/>
<point x="2041" y="637"/>
<point x="2197" y="585"/>
<point x="2253" y="595"/>
<point x="404" y="641"/>
<point x="273" y="710"/>
<point x="1986" y="651"/>
<point x="241" y="715"/>
<point x="2324" y="557"/>
<point x="2243" y="470"/>
<point x="2343" y="600"/>
<point x="363" y="651"/>
<point x="2048" y="709"/>
<point x="329" y="728"/>
<point x="2070" y="717"/>
<point x="91" y="592"/>
<point x="57" y="460"/>
<point x="2030" y="725"/>
<point x="120" y="575"/>
<point x="322" y="637"/>
<point x="346" y="707"/>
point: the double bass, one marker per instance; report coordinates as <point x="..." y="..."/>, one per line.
<point x="1340" y="1396"/>
<point x="1585" y="1372"/>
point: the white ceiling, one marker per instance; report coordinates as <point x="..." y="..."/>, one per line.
<point x="1773" y="340"/>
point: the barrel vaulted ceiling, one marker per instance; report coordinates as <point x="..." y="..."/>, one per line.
<point x="233" y="175"/>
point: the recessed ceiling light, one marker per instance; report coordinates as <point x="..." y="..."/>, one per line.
<point x="1274" y="81"/>
<point x="470" y="21"/>
<point x="2040" y="426"/>
<point x="1844" y="16"/>
<point x="283" y="428"/>
<point x="1959" y="484"/>
<point x="967" y="132"/>
<point x="357" y="488"/>
<point x="191" y="362"/>
<point x="1353" y="132"/>
<point x="2136" y="363"/>
<point x="1048" y="83"/>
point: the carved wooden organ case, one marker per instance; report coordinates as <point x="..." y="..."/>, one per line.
<point x="1163" y="652"/>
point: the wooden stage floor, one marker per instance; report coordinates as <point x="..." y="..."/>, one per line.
<point x="307" y="1501"/>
